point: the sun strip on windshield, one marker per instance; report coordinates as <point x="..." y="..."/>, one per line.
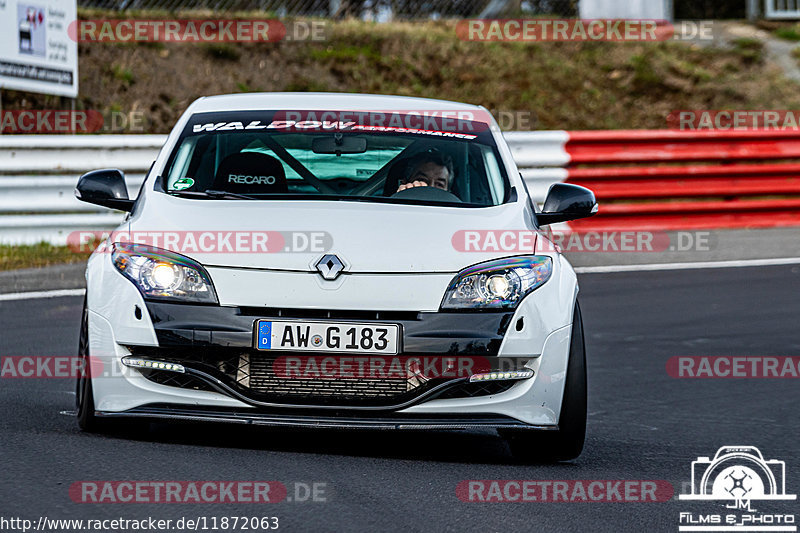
<point x="309" y="126"/>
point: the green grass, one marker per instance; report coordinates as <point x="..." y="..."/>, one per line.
<point x="346" y="53"/>
<point x="751" y="50"/>
<point x="789" y="33"/>
<point x="122" y="74"/>
<point x="643" y="72"/>
<point x="37" y="255"/>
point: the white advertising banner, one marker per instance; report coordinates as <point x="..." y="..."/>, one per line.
<point x="36" y="52"/>
<point x="630" y="9"/>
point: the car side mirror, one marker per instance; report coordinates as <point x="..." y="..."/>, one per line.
<point x="566" y="202"/>
<point x="104" y="187"/>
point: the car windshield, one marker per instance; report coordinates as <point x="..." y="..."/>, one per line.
<point x="325" y="156"/>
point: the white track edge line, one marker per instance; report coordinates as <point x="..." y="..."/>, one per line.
<point x="10" y="297"/>
<point x="688" y="266"/>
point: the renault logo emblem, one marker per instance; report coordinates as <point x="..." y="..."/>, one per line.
<point x="330" y="266"/>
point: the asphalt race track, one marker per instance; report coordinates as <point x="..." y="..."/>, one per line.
<point x="643" y="424"/>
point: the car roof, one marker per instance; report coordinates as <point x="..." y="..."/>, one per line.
<point x="324" y="102"/>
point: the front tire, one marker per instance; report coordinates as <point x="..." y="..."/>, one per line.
<point x="84" y="396"/>
<point x="567" y="441"/>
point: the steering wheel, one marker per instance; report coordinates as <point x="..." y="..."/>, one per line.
<point x="429" y="194"/>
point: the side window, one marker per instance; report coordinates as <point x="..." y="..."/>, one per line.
<point x="180" y="168"/>
<point x="204" y="166"/>
<point x="479" y="188"/>
<point x="494" y="174"/>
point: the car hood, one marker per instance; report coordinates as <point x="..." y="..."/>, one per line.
<point x="367" y="237"/>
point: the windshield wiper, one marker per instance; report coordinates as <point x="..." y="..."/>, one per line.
<point x="211" y="193"/>
<point x="225" y="194"/>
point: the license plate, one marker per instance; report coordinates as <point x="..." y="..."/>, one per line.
<point x="304" y="336"/>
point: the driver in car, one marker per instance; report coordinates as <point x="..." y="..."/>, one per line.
<point x="428" y="169"/>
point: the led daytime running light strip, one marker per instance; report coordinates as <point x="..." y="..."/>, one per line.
<point x="153" y="365"/>
<point x="498" y="376"/>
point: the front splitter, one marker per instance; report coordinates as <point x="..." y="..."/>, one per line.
<point x="395" y="422"/>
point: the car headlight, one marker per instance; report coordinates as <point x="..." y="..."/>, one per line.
<point x="163" y="275"/>
<point x="497" y="284"/>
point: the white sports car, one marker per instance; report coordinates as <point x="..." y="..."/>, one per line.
<point x="336" y="260"/>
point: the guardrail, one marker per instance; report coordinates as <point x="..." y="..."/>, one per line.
<point x="641" y="178"/>
<point x="38" y="174"/>
<point x="687" y="179"/>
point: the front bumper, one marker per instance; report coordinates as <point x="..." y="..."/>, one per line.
<point x="536" y="334"/>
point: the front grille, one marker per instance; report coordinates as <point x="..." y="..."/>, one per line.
<point x="258" y="374"/>
<point x="251" y="374"/>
